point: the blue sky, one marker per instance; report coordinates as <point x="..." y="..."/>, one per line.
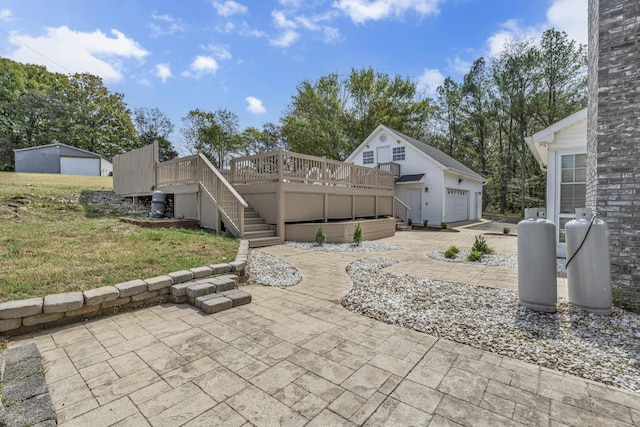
<point x="249" y="56"/>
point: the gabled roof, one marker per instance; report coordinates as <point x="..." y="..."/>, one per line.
<point x="539" y="141"/>
<point x="439" y="156"/>
<point x="61" y="145"/>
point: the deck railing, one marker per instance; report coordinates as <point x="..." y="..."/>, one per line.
<point x="391" y="167"/>
<point x="286" y="166"/>
<point x="198" y="169"/>
<point x="400" y="209"/>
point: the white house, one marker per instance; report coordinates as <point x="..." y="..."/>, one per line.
<point x="561" y="150"/>
<point x="434" y="185"/>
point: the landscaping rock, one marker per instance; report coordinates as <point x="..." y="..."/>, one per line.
<point x="100" y="295"/>
<point x="132" y="287"/>
<point x="21" y="308"/>
<point x="60" y="303"/>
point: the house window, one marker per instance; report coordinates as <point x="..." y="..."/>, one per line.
<point x="367" y="157"/>
<point x="398" y="153"/>
<point x="573" y="188"/>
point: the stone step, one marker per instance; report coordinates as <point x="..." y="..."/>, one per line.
<point x="402" y="227"/>
<point x="264" y="241"/>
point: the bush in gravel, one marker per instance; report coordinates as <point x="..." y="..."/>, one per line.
<point x="443" y="224"/>
<point x="357" y="235"/>
<point x="475" y="256"/>
<point x="506" y="230"/>
<point x="480" y="245"/>
<point x="451" y="253"/>
<point x="425" y="223"/>
<point x="320" y="236"/>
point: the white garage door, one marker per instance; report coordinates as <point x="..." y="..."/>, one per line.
<point x="457" y="208"/>
<point x="79" y="166"/>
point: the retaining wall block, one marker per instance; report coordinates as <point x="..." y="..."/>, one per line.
<point x="144" y="296"/>
<point x="60" y="303"/>
<point x="181" y="276"/>
<point x="116" y="302"/>
<point x="9" y="324"/>
<point x="216" y="305"/>
<point x="159" y="282"/>
<point x="100" y="295"/>
<point x="220" y="268"/>
<point x="200" y="272"/>
<point x="132" y="287"/>
<point x="180" y="290"/>
<point x="41" y="318"/>
<point x="21" y="308"/>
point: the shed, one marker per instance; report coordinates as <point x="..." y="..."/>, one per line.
<point x="61" y="159"/>
<point x="561" y="150"/>
<point x="433" y="184"/>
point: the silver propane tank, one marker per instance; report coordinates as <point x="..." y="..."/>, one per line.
<point x="537" y="270"/>
<point x="588" y="263"/>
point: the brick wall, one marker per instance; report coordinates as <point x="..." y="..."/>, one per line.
<point x="613" y="186"/>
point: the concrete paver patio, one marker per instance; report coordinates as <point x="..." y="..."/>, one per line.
<point x="295" y="356"/>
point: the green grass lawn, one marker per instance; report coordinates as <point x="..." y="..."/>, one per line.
<point x="56" y="236"/>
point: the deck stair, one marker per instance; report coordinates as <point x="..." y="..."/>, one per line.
<point x="257" y="231"/>
<point x="402" y="226"/>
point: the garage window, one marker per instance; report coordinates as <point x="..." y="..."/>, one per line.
<point x="398" y="153"/>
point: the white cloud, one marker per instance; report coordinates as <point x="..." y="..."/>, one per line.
<point x="361" y="11"/>
<point x="332" y="35"/>
<point x="290" y="3"/>
<point x="200" y="66"/>
<point x="430" y="79"/>
<point x="286" y="39"/>
<point x="459" y="65"/>
<point x="246" y="30"/>
<point x="255" y="105"/>
<point x="5" y="15"/>
<point x="163" y="72"/>
<point x="64" y="50"/>
<point x="570" y="16"/>
<point x="219" y="51"/>
<point x="172" y="25"/>
<point x="281" y="21"/>
<point x="229" y="8"/>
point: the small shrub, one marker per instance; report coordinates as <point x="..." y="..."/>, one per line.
<point x="451" y="253"/>
<point x="357" y="235"/>
<point x="506" y="230"/>
<point x="320" y="236"/>
<point x="425" y="223"/>
<point x="480" y="245"/>
<point x="443" y="224"/>
<point x="475" y="256"/>
<point x="409" y="221"/>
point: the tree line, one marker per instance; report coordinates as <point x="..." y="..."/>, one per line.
<point x="481" y="121"/>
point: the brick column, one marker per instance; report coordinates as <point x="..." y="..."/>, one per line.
<point x="613" y="137"/>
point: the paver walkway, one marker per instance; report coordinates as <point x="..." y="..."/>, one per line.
<point x="296" y="357"/>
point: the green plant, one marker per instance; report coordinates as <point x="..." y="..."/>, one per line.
<point x="452" y="252"/>
<point x="506" y="230"/>
<point x="357" y="235"/>
<point x="443" y="224"/>
<point x="409" y="221"/>
<point x="425" y="223"/>
<point x="475" y="256"/>
<point x="480" y="245"/>
<point x="320" y="236"/>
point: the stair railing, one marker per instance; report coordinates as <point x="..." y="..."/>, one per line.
<point x="230" y="203"/>
<point x="398" y="207"/>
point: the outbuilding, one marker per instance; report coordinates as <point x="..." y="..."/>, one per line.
<point x="61" y="159"/>
<point x="434" y="185"/>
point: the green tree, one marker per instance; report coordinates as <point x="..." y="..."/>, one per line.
<point x="255" y="141"/>
<point x="449" y="114"/>
<point x="153" y="125"/>
<point x="213" y="134"/>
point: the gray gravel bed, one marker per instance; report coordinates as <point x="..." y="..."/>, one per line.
<point x="494" y="260"/>
<point x="268" y="270"/>
<point x="366" y="246"/>
<point x="600" y="348"/>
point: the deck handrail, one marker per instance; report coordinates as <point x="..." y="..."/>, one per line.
<point x="286" y="166"/>
<point x="400" y="205"/>
<point x="197" y="169"/>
